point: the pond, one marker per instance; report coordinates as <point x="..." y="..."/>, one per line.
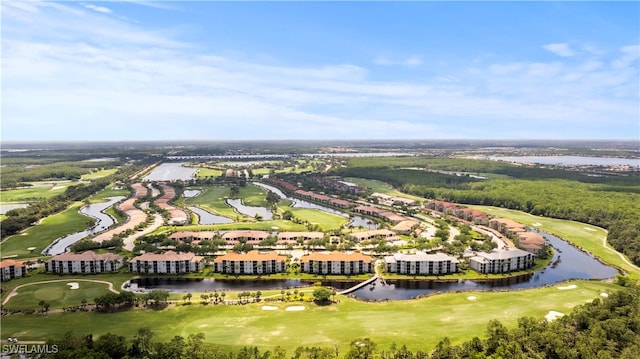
<point x="355" y="221"/>
<point x="568" y="263"/>
<point x="205" y="217"/>
<point x="263" y="212"/>
<point x="103" y="221"/>
<point x="197" y="285"/>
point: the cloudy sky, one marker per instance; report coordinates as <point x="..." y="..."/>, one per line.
<point x="142" y="70"/>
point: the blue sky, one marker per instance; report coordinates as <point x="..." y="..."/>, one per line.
<point x="142" y="70"/>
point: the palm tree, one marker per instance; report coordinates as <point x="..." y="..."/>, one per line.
<point x="282" y="292"/>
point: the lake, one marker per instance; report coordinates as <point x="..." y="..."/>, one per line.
<point x="571" y="160"/>
<point x="171" y="171"/>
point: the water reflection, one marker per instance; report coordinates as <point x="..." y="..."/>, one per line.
<point x="103" y="221"/>
<point x="263" y="212"/>
<point x="205" y="217"/>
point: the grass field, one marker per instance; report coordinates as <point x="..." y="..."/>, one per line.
<point x="57" y="294"/>
<point x="208" y="172"/>
<point x="326" y="221"/>
<point x="98" y="174"/>
<point x="38" y="192"/>
<point x="212" y="199"/>
<point x="39" y="276"/>
<point x="588" y="237"/>
<point x="42" y="234"/>
<point x="282" y="225"/>
<point x="419" y="324"/>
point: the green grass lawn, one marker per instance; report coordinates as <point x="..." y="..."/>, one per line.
<point x="326" y="221"/>
<point x="39" y="276"/>
<point x="282" y="225"/>
<point x="588" y="237"/>
<point x="110" y="192"/>
<point x="253" y="196"/>
<point x="98" y="174"/>
<point x="42" y="234"/>
<point x="419" y="324"/>
<point x="38" y="192"/>
<point x="57" y="294"/>
<point x="208" y="172"/>
<point x="212" y="199"/>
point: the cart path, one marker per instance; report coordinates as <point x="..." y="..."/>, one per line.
<point x="15" y="290"/>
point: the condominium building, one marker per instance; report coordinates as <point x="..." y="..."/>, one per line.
<point x="336" y="263"/>
<point x="168" y="262"/>
<point x="87" y="262"/>
<point x="421" y="263"/>
<point x="501" y="261"/>
<point x="10" y="269"/>
<point x="252" y="262"/>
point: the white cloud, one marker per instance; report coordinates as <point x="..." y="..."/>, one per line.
<point x="109" y="79"/>
<point x="560" y="49"/>
<point x="411" y="61"/>
<point x="100" y="9"/>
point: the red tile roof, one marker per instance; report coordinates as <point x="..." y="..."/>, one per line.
<point x="335" y="256"/>
<point x="168" y="256"/>
<point x="251" y="256"/>
<point x="86" y="256"/>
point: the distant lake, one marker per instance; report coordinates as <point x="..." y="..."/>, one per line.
<point x="263" y="212"/>
<point x="171" y="172"/>
<point x="571" y="160"/>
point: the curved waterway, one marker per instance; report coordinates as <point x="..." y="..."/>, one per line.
<point x="103" y="221"/>
<point x="355" y="221"/>
<point x="568" y="263"/>
<point x="205" y="217"/>
<point x="263" y="212"/>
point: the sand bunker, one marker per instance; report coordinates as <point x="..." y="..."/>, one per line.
<point x="73" y="285"/>
<point x="553" y="315"/>
<point x="589" y="229"/>
<point x="573" y="286"/>
<point x="295" y="308"/>
<point x="604" y="295"/>
<point x="537" y="224"/>
<point x="472" y="297"/>
<point x="269" y="307"/>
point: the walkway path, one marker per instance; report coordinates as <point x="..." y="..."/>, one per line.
<point x="129" y="242"/>
<point x="362" y="284"/>
<point x="14" y="291"/>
